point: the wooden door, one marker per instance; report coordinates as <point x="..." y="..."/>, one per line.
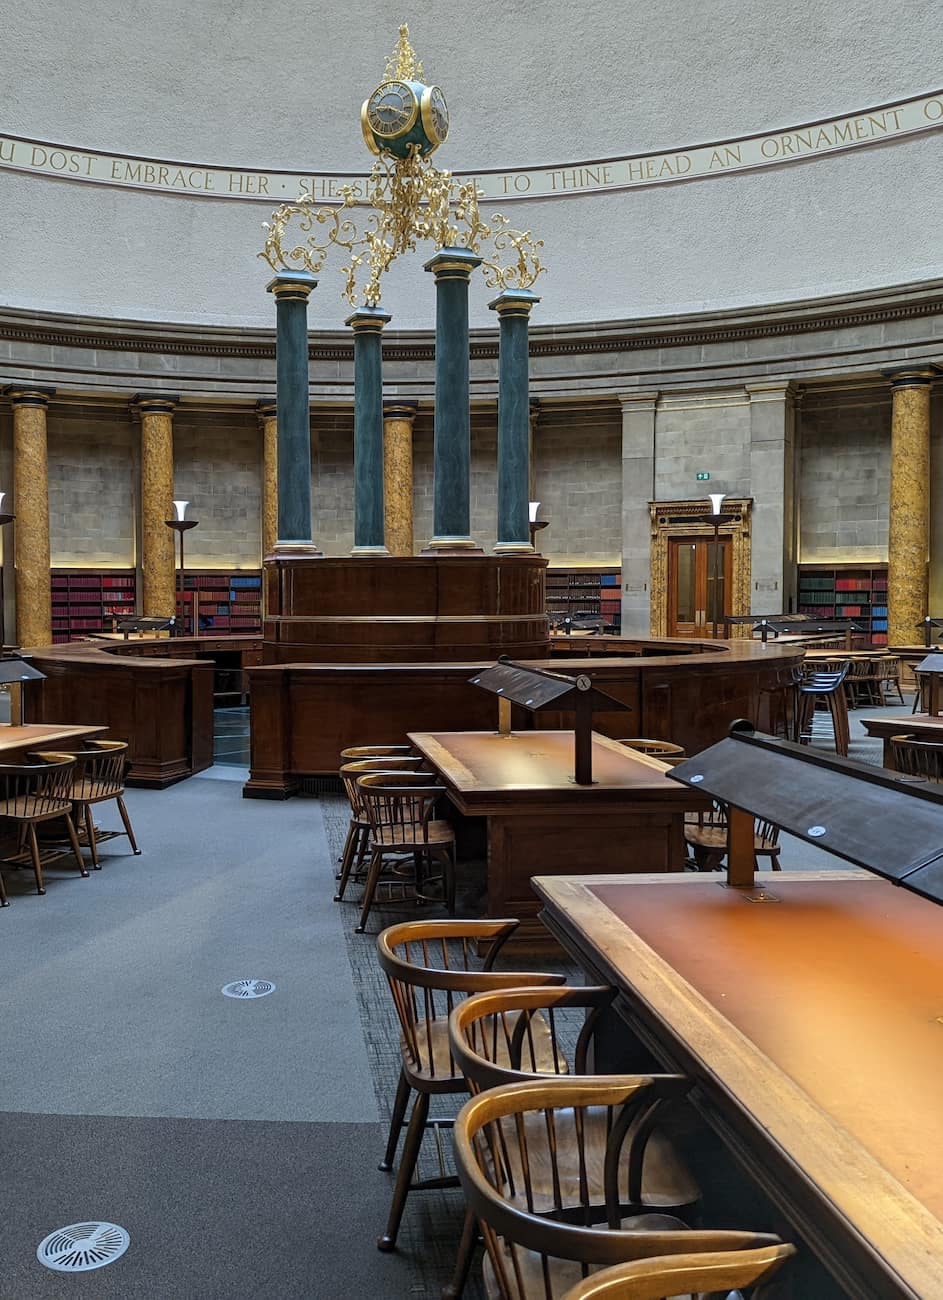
<point x="699" y="572"/>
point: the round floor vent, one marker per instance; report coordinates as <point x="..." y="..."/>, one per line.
<point x="82" y="1246"/>
<point x="248" y="989"/>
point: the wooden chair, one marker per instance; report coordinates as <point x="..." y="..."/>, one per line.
<point x="890" y="677"/>
<point x="663" y="749"/>
<point x="355" y="752"/>
<point x="827" y="687"/>
<point x="399" y="808"/>
<point x="543" y="1232"/>
<point x="430" y="967"/>
<point x="358" y="832"/>
<point x="501" y="1037"/>
<point x="99" y="777"/>
<point x="683" y="1275"/>
<point x="707" y="835"/>
<point x="863" y="683"/>
<point x="35" y="792"/>
<point x="922" y="759"/>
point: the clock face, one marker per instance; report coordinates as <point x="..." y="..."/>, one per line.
<point x="391" y="109"/>
<point x="435" y="114"/>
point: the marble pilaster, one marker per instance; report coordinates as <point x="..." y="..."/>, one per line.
<point x="31" y="504"/>
<point x="398" y="418"/>
<point x="638" y="488"/>
<point x="158" y="573"/>
<point x="908" y="533"/>
<point x="451" y="525"/>
<point x="772" y="486"/>
<point x="267" y="413"/>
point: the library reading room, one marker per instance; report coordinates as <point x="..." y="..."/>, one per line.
<point x="471" y="582"/>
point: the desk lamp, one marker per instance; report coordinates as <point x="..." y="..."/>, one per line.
<point x="14" y="670"/>
<point x="535" y="524"/>
<point x="180" y="525"/>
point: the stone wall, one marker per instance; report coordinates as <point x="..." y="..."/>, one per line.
<point x="844" y="475"/>
<point x="218" y="469"/>
<point x="578" y="482"/>
<point x="94" y="485"/>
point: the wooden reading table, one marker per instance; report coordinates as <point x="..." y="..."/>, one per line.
<point x="814" y="1029"/>
<point x="919" y="725"/>
<point x="17" y="742"/>
<point x="540" y="822"/>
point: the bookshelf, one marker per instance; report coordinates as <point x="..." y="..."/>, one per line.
<point x="846" y="591"/>
<point x="586" y="593"/>
<point x="88" y="600"/>
<point x="222" y="603"/>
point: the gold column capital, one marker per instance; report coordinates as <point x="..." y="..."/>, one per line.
<point x="28" y="394"/>
<point x="396" y="408"/>
<point x="266" y="408"/>
<point x="154" y="403"/>
<point x="918" y="376"/>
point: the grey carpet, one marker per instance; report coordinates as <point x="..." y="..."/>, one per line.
<point x="216" y="1209"/>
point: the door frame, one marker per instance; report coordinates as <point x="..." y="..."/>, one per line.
<point x="679" y="519"/>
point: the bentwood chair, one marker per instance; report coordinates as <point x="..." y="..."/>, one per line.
<point x="399" y="807"/>
<point x="358" y="831"/>
<point x="500" y="1037"/>
<point x="707" y="835"/>
<point x="663" y="749"/>
<point x="99" y="778"/>
<point x="710" y="1273"/>
<point x="544" y="1232"/>
<point x="355" y="752"/>
<point x="922" y="759"/>
<point x="36" y="792"/>
<point x="431" y="966"/>
<point x="890" y="677"/>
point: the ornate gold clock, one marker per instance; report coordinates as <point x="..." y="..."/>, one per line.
<point x="404" y="112"/>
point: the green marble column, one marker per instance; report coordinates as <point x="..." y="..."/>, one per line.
<point x="367" y="324"/>
<point x="452" y="446"/>
<point x="513" y="307"/>
<point x="291" y="290"/>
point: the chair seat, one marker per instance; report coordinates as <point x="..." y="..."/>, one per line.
<point x="564" y="1273"/>
<point x="435" y="1060"/>
<point x="715" y="838"/>
<point x="666" y="1180"/>
<point x="410" y="838"/>
<point x="84" y="791"/>
<point x="28" y="807"/>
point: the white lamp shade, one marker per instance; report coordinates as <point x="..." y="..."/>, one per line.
<point x="181" y="510"/>
<point x="2" y="495"/>
<point x="716" y="500"/>
<point x="534" y="505"/>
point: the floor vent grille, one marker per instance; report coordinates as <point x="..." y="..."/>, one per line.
<point x="248" y="989"/>
<point x="82" y="1246"/>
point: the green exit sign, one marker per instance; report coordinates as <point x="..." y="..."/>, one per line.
<point x="703" y="476"/>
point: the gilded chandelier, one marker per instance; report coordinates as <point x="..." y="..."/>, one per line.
<point x="411" y="201"/>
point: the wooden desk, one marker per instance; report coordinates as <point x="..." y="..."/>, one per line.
<point x="813" y="1029"/>
<point x="17" y="742"/>
<point x="920" y="725"/>
<point x="541" y="822"/>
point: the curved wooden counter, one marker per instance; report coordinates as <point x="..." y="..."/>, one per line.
<point x="157" y="694"/>
<point x="304" y="714"/>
